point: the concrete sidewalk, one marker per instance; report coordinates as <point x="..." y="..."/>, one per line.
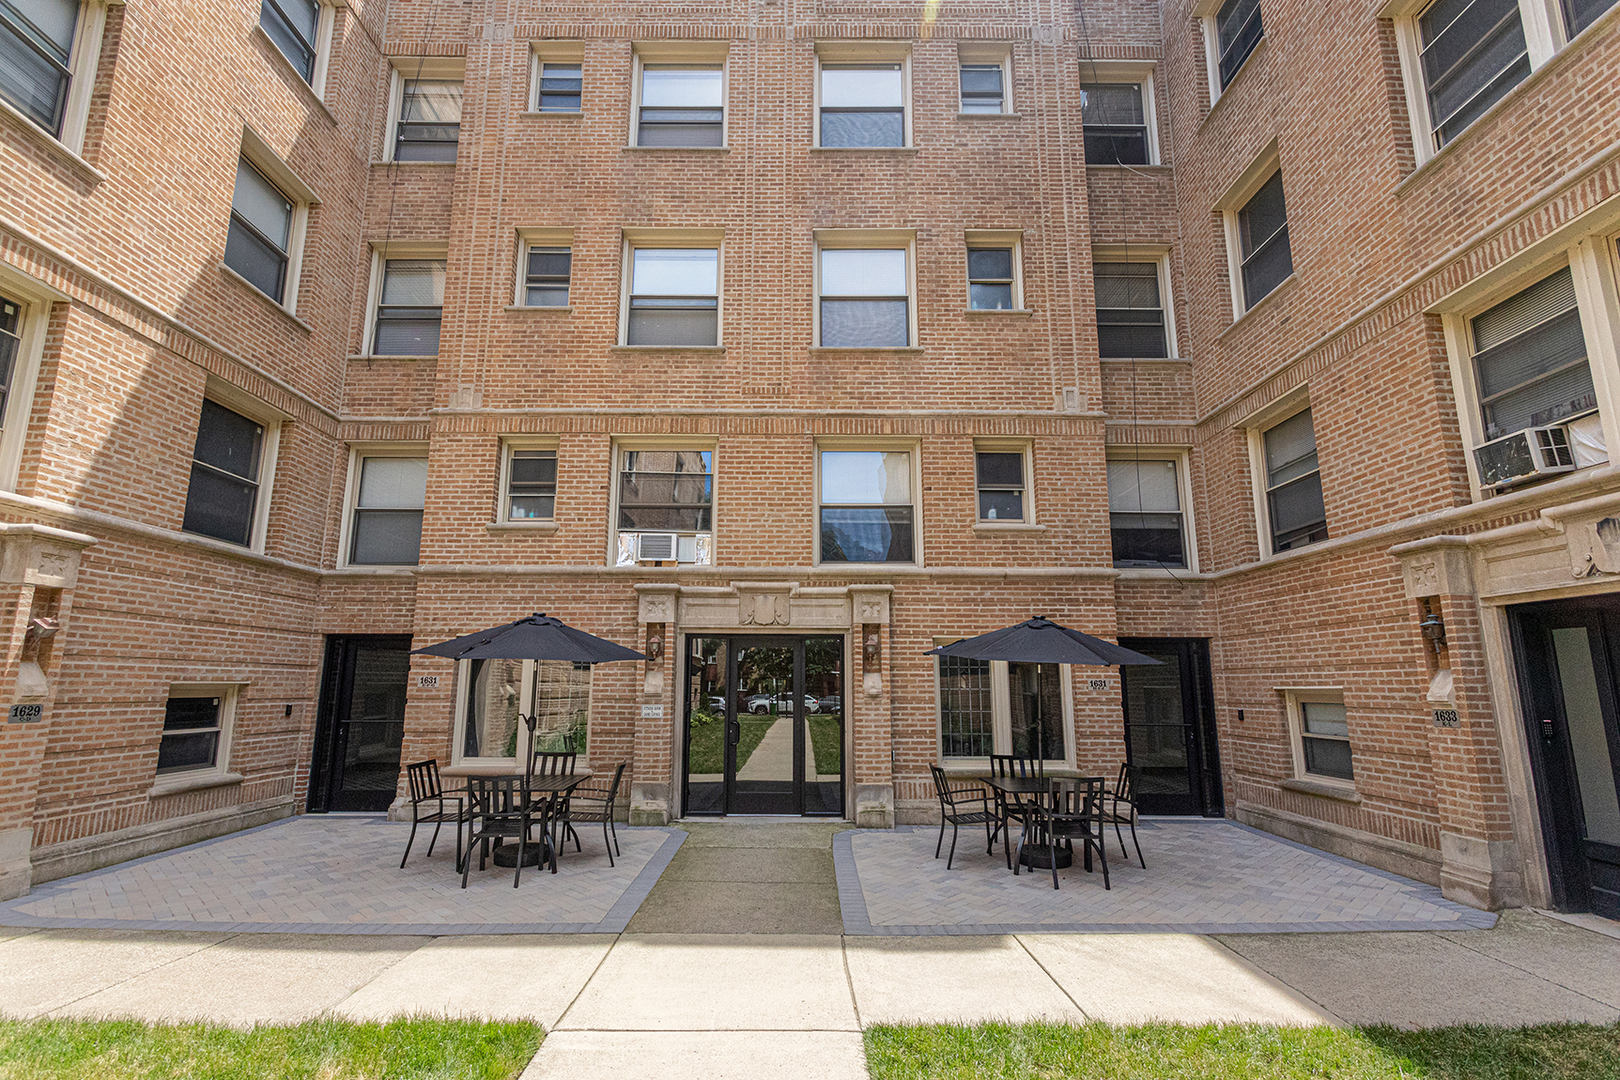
<point x="720" y="1006"/>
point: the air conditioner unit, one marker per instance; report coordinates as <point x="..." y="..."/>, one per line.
<point x="655" y="547"/>
<point x="1525" y="455"/>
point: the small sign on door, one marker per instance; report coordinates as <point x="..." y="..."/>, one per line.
<point x="427" y="682"/>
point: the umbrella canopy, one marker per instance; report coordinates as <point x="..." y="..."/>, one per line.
<point x="1041" y="641"/>
<point x="538" y="637"/>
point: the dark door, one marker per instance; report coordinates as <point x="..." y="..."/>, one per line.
<point x="1170" y="728"/>
<point x="1568" y="657"/>
<point x="361" y="723"/>
<point x="764" y="725"/>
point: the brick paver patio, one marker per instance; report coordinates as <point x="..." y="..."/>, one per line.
<point x="1203" y="877"/>
<point x="341" y="875"/>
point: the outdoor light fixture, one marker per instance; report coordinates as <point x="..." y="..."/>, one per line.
<point x="1433" y="628"/>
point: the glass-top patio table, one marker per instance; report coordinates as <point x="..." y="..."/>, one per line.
<point x="1038" y="789"/>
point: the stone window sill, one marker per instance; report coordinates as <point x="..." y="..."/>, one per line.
<point x="867" y="349"/>
<point x="545" y="527"/>
<point x="1326" y="789"/>
<point x="989" y="116"/>
<point x="380" y="164"/>
<point x="262" y="39"/>
<point x="180" y="784"/>
<point x="273" y="305"/>
<point x="668" y="348"/>
<point x="376" y="356"/>
<point x="1008" y="527"/>
<point x="574" y="114"/>
<point x="51" y="143"/>
<point x="1259" y="304"/>
<point x="1156" y="166"/>
<point x="998" y="311"/>
<point x="538" y="307"/>
<point x="901" y="151"/>
<point x="678" y="149"/>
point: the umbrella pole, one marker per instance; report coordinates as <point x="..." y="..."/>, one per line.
<point x="530" y="721"/>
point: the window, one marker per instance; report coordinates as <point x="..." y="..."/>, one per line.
<point x="25" y="306"/>
<point x="1144" y="513"/>
<point x="1000" y="478"/>
<point x="429" y="123"/>
<point x="196" y="730"/>
<point x="1293" y="484"/>
<point x="386" y="529"/>
<point x="1130" y="311"/>
<point x="1323" y="732"/>
<point x="259" y="243"/>
<point x="495" y="693"/>
<point x="990" y="279"/>
<point x="1530" y="362"/>
<point x="866" y="510"/>
<point x="222" y="500"/>
<point x="1263" y="241"/>
<point x="1115" y="124"/>
<point x="863" y="104"/>
<point x="1237" y="31"/>
<point x="546" y="276"/>
<point x="36" y="56"/>
<point x="681" y="106"/>
<point x="983" y="88"/>
<point x="531" y="484"/>
<point x="410" y="308"/>
<point x="295" y="27"/>
<point x="990" y="707"/>
<point x="674" y="297"/>
<point x="865" y="298"/>
<point x="1579" y="14"/>
<point x="11" y="350"/>
<point x="666" y="492"/>
<point x="1473" y="52"/>
<point x="559" y="86"/>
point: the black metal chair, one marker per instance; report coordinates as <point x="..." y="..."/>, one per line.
<point x="955" y="806"/>
<point x="1124" y="794"/>
<point x="426" y="791"/>
<point x="1010" y="808"/>
<point x="1073" y="812"/>
<point x="500" y="808"/>
<point x="593" y="804"/>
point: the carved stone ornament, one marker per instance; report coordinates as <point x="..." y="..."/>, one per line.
<point x="1594" y="547"/>
<point x="870" y="605"/>
<point x="657" y="608"/>
<point x="764" y="605"/>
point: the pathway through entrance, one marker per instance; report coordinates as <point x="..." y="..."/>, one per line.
<point x="747" y="876"/>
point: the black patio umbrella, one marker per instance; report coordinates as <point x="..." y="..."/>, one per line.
<point x="537" y="637"/>
<point x="1041" y="641"/>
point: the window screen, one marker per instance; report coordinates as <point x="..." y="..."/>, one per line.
<point x="863" y="105"/>
<point x="864" y="298"/>
<point x="1294" y="484"/>
<point x="260" y="231"/>
<point x="681" y="107"/>
<point x="224" y="487"/>
<point x="36" y="45"/>
<point x="560" y="87"/>
<point x="1530" y="360"/>
<point x="532" y="485"/>
<point x="1114" y="123"/>
<point x="410" y="308"/>
<point x="292" y="25"/>
<point x="1130" y="311"/>
<point x="990" y="279"/>
<point x="1579" y="14"/>
<point x="1000" y="476"/>
<point x="1473" y="52"/>
<point x="981" y="88"/>
<point x="866" y="509"/>
<point x="1263" y="233"/>
<point x="1239" y="30"/>
<point x="191" y="727"/>
<point x="429" y="120"/>
<point x="388" y="513"/>
<point x="1325" y="739"/>
<point x="547" y="277"/>
<point x="674" y="297"/>
<point x="1144" y="513"/>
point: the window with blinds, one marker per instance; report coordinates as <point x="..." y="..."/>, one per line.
<point x="1294" y="484"/>
<point x="1473" y="52"/>
<point x="1130" y="311"/>
<point x="1530" y="363"/>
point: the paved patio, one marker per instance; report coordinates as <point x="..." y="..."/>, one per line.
<point x="341" y="875"/>
<point x="1203" y="877"/>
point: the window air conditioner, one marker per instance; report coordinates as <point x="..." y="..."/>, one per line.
<point x="655" y="547"/>
<point x="1525" y="455"/>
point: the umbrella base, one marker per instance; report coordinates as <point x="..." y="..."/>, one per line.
<point x="507" y="855"/>
<point x="1039" y="856"/>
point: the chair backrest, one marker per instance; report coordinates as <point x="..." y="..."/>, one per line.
<point x="613" y="788"/>
<point x="496" y="795"/>
<point x="423" y="777"/>
<point x="1001" y="765"/>
<point x="1078" y="798"/>
<point x="1009" y="765"/>
<point x="552" y="763"/>
<point x="1125" y="783"/>
<point x="942" y="786"/>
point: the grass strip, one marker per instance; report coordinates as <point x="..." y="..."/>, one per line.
<point x="327" y="1049"/>
<point x="1045" y="1051"/>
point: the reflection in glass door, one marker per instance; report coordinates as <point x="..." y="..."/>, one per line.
<point x="764" y="725"/>
<point x="1169" y="727"/>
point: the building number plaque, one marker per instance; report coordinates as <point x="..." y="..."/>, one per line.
<point x="25" y="714"/>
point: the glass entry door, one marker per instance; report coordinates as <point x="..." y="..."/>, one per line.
<point x="764" y="725"/>
<point x="1568" y="655"/>
<point x="1170" y="727"/>
<point x="361" y="723"/>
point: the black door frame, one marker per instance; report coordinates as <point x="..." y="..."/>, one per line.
<point x="1198" y="713"/>
<point x="337" y="688"/>
<point x="1552" y="769"/>
<point x="729" y="795"/>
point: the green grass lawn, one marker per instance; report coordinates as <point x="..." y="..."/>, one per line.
<point x="827" y="741"/>
<point x="410" y="1049"/>
<point x="707" y="745"/>
<point x="1241" y="1052"/>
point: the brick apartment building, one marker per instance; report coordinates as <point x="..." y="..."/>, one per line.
<point x="783" y="340"/>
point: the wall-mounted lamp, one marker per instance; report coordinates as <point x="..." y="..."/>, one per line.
<point x="872" y="648"/>
<point x="655" y="642"/>
<point x="1433" y="628"/>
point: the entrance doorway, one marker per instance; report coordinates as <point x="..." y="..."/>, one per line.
<point x="764" y="725"/>
<point x="1568" y="654"/>
<point x="361" y="723"/>
<point x="1170" y="728"/>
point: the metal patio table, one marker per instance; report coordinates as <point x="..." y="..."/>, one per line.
<point x="554" y="789"/>
<point x="1038" y="788"/>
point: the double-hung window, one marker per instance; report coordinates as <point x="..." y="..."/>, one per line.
<point x="991" y="279"/>
<point x="259" y="243"/>
<point x="1115" y="124"/>
<point x="867" y="513"/>
<point x="223" y="499"/>
<point x="196" y="730"/>
<point x="1144" y="513"/>
<point x="531" y="484"/>
<point x="995" y="707"/>
<point x="983" y="88"/>
<point x="1262" y="226"/>
<point x="1237" y="31"/>
<point x="386" y="527"/>
<point x="1579" y="14"/>
<point x="999" y="478"/>
<point x="1130" y="311"/>
<point x="674" y="297"/>
<point x="1530" y="358"/>
<point x="666" y="506"/>
<point x="295" y="28"/>
<point x="865" y="297"/>
<point x="429" y="124"/>
<point x="36" y="58"/>
<point x="1473" y="52"/>
<point x="10" y="351"/>
<point x="547" y="275"/>
<point x="559" y="86"/>
<point x="410" y="308"/>
<point x="863" y="104"/>
<point x="1322" y="735"/>
<point x="681" y="106"/>
<point x="1293" y="483"/>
